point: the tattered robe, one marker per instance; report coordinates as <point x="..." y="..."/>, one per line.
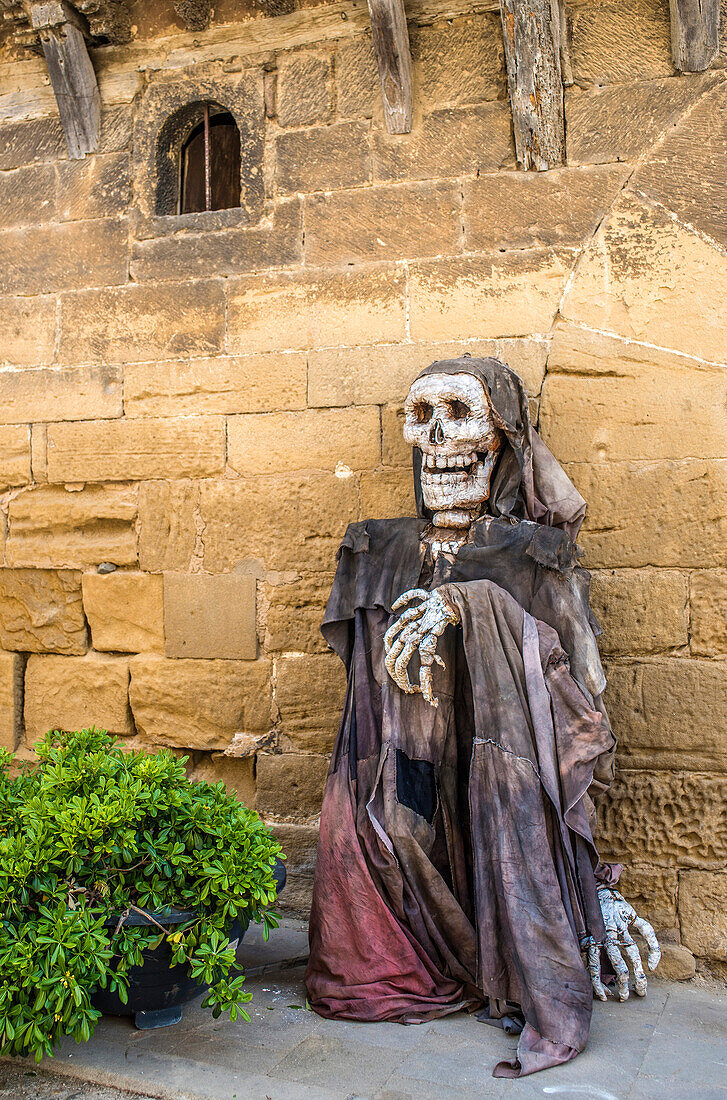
<point x="456" y="866"/>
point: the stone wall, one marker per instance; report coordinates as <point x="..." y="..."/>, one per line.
<point x="206" y="402"/>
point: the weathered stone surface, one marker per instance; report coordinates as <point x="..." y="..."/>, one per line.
<point x="357" y="78"/>
<point x="168" y="530"/>
<point x="39" y="260"/>
<point x="11" y="700"/>
<point x="77" y="394"/>
<point x="41" y="611"/>
<point x="225" y="252"/>
<point x="199" y="704"/>
<point x="647" y="278"/>
<point x="522" y="209"/>
<point x="315" y="308"/>
<point x="295" y="614"/>
<point x="27" y="196"/>
<point x="96" y="187"/>
<point x="620" y="41"/>
<point x="499" y="295"/>
<point x="677" y="963"/>
<point x="708" y="618"/>
<point x="324" y="158"/>
<point x="73" y="693"/>
<point x="379" y="375"/>
<point x="38" y="454"/>
<point x="652" y="891"/>
<point x="449" y="142"/>
<point x="290" y="785"/>
<point x="686" y="171"/>
<point x="237" y="775"/>
<point x="280" y="521"/>
<point x="387" y="494"/>
<point x="703" y="913"/>
<point x="678" y="819"/>
<point x="640" y="610"/>
<point x="28" y="326"/>
<point x="299" y="842"/>
<point x="459" y="60"/>
<point x="141" y="322"/>
<point x="50" y="526"/>
<point x="383" y="223"/>
<point x="122" y="450"/>
<point x="310" y="693"/>
<point x="14" y="455"/>
<point x="210" y="616"/>
<point x="239" y="384"/>
<point x="305" y="89"/>
<point x="394" y="450"/>
<point x="31" y="142"/>
<point x="606" y="398"/>
<point x="125" y="611"/>
<point x="621" y="121"/>
<point x="274" y="443"/>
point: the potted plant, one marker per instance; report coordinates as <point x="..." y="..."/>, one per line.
<point x="114" y="868"/>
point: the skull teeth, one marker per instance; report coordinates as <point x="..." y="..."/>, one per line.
<point x="465" y="462"/>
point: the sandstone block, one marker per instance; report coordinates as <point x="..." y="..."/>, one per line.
<point x="199" y="704"/>
<point x="450" y="142"/>
<point x="315" y="308"/>
<point x="167" y="524"/>
<point x="222" y="253"/>
<point x="142" y="322"/>
<point x="297" y="897"/>
<point x="286" y="522"/>
<point x="459" y="60"/>
<point x="28" y="326"/>
<point x="616" y="42"/>
<point x="323" y="159"/>
<point x="239" y="384"/>
<point x="633" y="814"/>
<point x="499" y="295"/>
<point x="38" y="453"/>
<point x="210" y="616"/>
<point x="41" y="611"/>
<point x="77" y="394"/>
<point x="290" y="785"/>
<point x="386" y="494"/>
<point x="708" y="620"/>
<point x="310" y="693"/>
<point x="648" y="279"/>
<point x="122" y="450"/>
<point x="11" y="700"/>
<point x="357" y="78"/>
<point x="42" y="259"/>
<point x="96" y="187"/>
<point x="703" y="913"/>
<point x="273" y="443"/>
<point x="31" y="142"/>
<point x="296" y="612"/>
<point x="73" y="693"/>
<point x="125" y="611"/>
<point x="606" y="398"/>
<point x="395" y="451"/>
<point x="14" y="455"/>
<point x="640" y="610"/>
<point x="653" y="513"/>
<point x="27" y="196"/>
<point x="299" y="842"/>
<point x="52" y="527"/>
<point x="237" y="775"/>
<point x="671" y="710"/>
<point x="305" y="89"/>
<point x="383" y="223"/>
<point x="677" y="963"/>
<point x="652" y="891"/>
<point x="522" y="209"/>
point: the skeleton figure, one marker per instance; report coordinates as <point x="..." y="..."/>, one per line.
<point x="450" y="419"/>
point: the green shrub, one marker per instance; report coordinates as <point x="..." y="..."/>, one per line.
<point x="92" y="831"/>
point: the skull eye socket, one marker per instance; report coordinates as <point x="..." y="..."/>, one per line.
<point x="459" y="409"/>
<point x="423" y="412"/>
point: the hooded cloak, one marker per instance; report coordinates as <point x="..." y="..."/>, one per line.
<point x="456" y="866"/>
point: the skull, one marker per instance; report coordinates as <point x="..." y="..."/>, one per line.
<point x="450" y="419"/>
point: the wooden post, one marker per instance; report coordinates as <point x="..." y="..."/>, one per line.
<point x="393" y="58"/>
<point x="71" y="73"/>
<point x="532" y="35"/>
<point x="694" y="33"/>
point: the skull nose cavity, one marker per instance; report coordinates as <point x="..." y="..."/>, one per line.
<point x="436" y="432"/>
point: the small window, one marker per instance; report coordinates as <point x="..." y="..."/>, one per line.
<point x="210" y="164"/>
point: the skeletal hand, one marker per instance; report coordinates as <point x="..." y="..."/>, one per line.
<point x="419" y="628"/>
<point x="618" y="915"/>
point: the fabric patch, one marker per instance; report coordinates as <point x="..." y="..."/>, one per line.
<point x="416" y="785"/>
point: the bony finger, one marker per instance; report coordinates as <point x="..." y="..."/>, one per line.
<point x="439" y="661"/>
<point x="594" y="969"/>
<point x="425" y="682"/>
<point x="400" y="624"/>
<point x="407" y="597"/>
<point x="620" y="967"/>
<point x="401" y="667"/>
<point x="646" y="930"/>
<point x="637" y="966"/>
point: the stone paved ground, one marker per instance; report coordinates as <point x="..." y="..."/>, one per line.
<point x="671" y="1045"/>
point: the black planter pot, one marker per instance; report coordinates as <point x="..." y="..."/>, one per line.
<point x="158" y="990"/>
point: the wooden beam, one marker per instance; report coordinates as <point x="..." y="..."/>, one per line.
<point x="71" y="73"/>
<point x="532" y="35"/>
<point x="393" y="58"/>
<point x="694" y="33"/>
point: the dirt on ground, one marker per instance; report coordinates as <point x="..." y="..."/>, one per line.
<point x="26" y="1083"/>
